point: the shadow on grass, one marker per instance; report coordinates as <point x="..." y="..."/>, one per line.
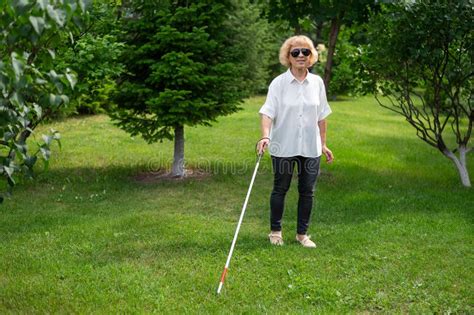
<point x="351" y="191"/>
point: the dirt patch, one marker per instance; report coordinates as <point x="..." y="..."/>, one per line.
<point x="164" y="175"/>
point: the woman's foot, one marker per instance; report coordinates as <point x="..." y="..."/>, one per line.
<point x="305" y="240"/>
<point x="275" y="238"/>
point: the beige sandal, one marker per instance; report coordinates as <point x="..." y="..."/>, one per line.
<point x="306" y="242"/>
<point x="275" y="239"/>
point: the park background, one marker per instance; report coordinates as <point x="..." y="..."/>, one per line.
<point x="102" y="101"/>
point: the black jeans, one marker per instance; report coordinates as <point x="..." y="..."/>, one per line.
<point x="308" y="170"/>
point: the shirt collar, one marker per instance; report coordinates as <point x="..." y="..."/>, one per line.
<point x="291" y="78"/>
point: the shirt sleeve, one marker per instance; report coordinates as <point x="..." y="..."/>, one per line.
<point x="270" y="106"/>
<point x="325" y="109"/>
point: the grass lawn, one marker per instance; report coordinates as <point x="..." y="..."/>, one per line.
<point x="393" y="224"/>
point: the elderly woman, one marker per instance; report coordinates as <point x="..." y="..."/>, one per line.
<point x="293" y="125"/>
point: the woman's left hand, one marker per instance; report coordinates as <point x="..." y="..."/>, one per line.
<point x="328" y="154"/>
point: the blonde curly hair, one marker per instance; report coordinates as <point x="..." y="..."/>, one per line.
<point x="297" y="41"/>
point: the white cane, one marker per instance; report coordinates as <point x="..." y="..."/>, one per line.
<point x="226" y="268"/>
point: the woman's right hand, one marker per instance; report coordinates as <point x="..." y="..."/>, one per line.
<point x="262" y="145"/>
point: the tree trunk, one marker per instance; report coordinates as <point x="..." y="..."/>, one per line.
<point x="178" y="159"/>
<point x="335" y="27"/>
<point x="460" y="164"/>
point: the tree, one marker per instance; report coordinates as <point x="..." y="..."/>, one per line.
<point x="94" y="59"/>
<point x="422" y="63"/>
<point x="31" y="89"/>
<point x="183" y="68"/>
<point x="93" y="56"/>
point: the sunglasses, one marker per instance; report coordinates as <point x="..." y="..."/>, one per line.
<point x="296" y="52"/>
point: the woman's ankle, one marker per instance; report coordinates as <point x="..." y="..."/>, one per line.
<point x="300" y="236"/>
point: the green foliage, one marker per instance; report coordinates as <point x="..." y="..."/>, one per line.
<point x="295" y="12"/>
<point x="255" y="45"/>
<point x="423" y="59"/>
<point x="422" y="62"/>
<point x="31" y="89"/>
<point x="186" y="65"/>
<point x="344" y="74"/>
<point x="94" y="58"/>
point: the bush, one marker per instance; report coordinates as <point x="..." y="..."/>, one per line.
<point x="94" y="58"/>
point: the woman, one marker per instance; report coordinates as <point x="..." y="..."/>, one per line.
<point x="293" y="124"/>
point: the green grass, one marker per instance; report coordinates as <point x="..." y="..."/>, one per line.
<point x="393" y="224"/>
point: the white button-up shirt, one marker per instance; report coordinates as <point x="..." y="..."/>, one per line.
<point x="295" y="109"/>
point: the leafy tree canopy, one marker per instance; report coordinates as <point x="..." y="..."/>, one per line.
<point x="420" y="57"/>
<point x="31" y="89"/>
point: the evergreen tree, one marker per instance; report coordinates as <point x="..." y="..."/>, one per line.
<point x="183" y="68"/>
